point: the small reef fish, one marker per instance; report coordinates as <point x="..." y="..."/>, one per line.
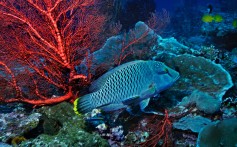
<point x="234" y="23"/>
<point x="207" y="18"/>
<point x="209" y="8"/>
<point x="127" y="85"/>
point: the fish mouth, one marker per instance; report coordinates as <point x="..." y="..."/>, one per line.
<point x="176" y="78"/>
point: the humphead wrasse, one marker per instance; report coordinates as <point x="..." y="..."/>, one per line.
<point x="127" y="85"/>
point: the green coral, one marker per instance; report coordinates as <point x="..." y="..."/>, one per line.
<point x="71" y="133"/>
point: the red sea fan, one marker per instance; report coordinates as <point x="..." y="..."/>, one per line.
<point x="41" y="42"/>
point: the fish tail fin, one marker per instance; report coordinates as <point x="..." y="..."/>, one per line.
<point x="83" y="105"/>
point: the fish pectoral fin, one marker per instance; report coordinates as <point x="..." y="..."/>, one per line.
<point x="143" y="104"/>
<point x="112" y="107"/>
<point x="129" y="110"/>
<point x="149" y="92"/>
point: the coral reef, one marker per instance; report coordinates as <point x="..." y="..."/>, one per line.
<point x="105" y="126"/>
<point x="201" y="86"/>
<point x="57" y="60"/>
<point x="222" y="133"/>
<point x="17" y="140"/>
<point x="17" y="123"/>
<point x="38" y="60"/>
<point x="116" y="48"/>
<point x="136" y="137"/>
<point x="170" y="45"/>
<point x="193" y="123"/>
<point x="71" y="133"/>
<point x="229" y="108"/>
<point x="198" y="73"/>
<point x="4" y="144"/>
<point x="223" y="33"/>
<point x="203" y="101"/>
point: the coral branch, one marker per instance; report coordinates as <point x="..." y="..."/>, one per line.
<point x="41" y="102"/>
<point x="41" y="44"/>
<point x="13" y="83"/>
<point x="160" y="132"/>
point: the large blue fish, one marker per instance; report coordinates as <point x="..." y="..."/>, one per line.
<point x="126" y="85"/>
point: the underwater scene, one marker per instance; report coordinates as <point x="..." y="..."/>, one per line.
<point x="118" y="73"/>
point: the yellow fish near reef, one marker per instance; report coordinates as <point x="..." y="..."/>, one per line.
<point x="218" y="18"/>
<point x="209" y="18"/>
<point x="234" y="23"/>
<point x="127" y="85"/>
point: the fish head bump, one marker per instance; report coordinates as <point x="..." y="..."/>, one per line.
<point x="164" y="76"/>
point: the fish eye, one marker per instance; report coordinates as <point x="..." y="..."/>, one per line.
<point x="166" y="70"/>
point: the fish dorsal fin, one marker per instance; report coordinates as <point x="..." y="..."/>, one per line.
<point x="97" y="84"/>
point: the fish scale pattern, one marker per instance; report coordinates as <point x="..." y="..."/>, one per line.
<point x="127" y="82"/>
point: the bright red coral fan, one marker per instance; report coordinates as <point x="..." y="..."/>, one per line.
<point x="41" y="42"/>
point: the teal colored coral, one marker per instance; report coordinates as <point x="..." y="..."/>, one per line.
<point x="223" y="133"/>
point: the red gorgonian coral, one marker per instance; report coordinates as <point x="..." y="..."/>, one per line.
<point x="41" y="42"/>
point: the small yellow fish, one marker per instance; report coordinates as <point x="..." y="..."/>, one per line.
<point x="207" y="18"/>
<point x="234" y="23"/>
<point x="218" y="18"/>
